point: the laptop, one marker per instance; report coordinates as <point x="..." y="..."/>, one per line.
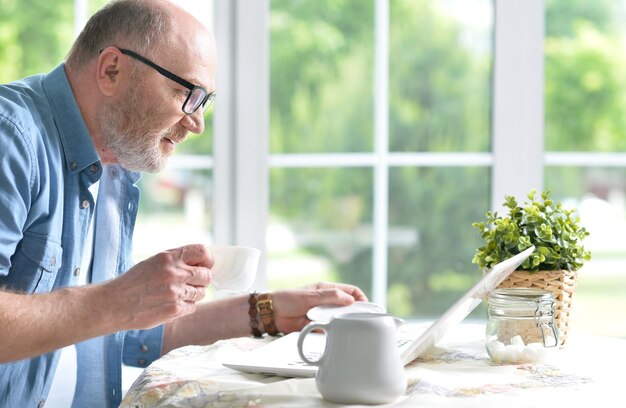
<point x="280" y="357"/>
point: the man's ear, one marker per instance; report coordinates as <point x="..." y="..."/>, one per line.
<point x="111" y="71"/>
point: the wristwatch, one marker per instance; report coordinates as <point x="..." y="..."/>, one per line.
<point x="265" y="308"/>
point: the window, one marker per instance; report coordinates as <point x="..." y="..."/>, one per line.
<point x="585" y="163"/>
<point x="357" y="140"/>
<point x="366" y="222"/>
<point x="379" y="133"/>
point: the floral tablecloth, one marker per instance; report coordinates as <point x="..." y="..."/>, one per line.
<point x="458" y="373"/>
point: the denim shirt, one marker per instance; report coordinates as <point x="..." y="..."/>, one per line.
<point x="47" y="163"/>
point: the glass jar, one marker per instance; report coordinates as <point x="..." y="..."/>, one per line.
<point x="521" y="327"/>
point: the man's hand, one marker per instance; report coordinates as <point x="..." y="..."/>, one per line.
<point x="290" y="306"/>
<point x="228" y="317"/>
<point x="161" y="288"/>
<point x="155" y="291"/>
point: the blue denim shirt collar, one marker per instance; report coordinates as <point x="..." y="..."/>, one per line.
<point x="78" y="147"/>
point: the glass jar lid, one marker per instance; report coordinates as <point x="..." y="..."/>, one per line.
<point x="521" y="302"/>
<point x="521" y="294"/>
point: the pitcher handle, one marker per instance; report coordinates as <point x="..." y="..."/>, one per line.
<point x="306" y="330"/>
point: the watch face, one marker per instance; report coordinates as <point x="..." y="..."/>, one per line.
<point x="264" y="305"/>
<point x="264" y="308"/>
<point x="266" y="312"/>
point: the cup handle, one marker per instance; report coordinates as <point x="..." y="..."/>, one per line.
<point x="307" y="329"/>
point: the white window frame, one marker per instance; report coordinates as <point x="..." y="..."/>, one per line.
<point x="242" y="156"/>
<point x="241" y="125"/>
<point x="518" y="98"/>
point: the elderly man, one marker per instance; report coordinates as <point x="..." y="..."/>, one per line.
<point x="72" y="142"/>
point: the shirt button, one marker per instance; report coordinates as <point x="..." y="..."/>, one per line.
<point x="130" y="206"/>
<point x="77" y="272"/>
<point x="144" y="348"/>
<point x="93" y="168"/>
<point x="113" y="172"/>
<point x="41" y="403"/>
<point x="73" y="165"/>
<point x="85" y="204"/>
<point x="142" y="361"/>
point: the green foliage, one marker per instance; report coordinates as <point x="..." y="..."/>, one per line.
<point x="553" y="230"/>
<point x="322" y="99"/>
<point x="585" y="74"/>
<point x="321" y="76"/>
<point x="34" y="36"/>
<point x="562" y="16"/>
<point x="439" y="85"/>
<point x="443" y="245"/>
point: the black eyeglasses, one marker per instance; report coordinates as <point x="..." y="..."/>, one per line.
<point x="198" y="95"/>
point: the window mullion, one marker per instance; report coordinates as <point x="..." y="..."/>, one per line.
<point x="381" y="146"/>
<point x="251" y="133"/>
<point x="518" y="105"/>
<point x="242" y="126"/>
<point x="81" y="15"/>
<point x="224" y="125"/>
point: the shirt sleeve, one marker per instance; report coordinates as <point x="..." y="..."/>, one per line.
<point x="16" y="186"/>
<point x="142" y="347"/>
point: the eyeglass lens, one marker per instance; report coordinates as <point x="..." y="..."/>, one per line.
<point x="198" y="97"/>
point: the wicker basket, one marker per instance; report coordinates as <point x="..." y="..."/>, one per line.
<point x="562" y="283"/>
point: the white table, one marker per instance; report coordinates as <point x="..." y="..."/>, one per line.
<point x="458" y="373"/>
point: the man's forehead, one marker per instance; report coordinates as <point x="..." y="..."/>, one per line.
<point x="199" y="74"/>
<point x="191" y="65"/>
<point x="195" y="57"/>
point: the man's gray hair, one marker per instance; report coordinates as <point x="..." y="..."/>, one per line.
<point x="138" y="24"/>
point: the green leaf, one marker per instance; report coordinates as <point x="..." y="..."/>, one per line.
<point x="553" y="230"/>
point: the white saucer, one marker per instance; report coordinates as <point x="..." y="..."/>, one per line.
<point x="323" y="314"/>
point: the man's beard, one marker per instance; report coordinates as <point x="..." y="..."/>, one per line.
<point x="130" y="133"/>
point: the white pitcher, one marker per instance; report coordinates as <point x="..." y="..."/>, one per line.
<point x="361" y="363"/>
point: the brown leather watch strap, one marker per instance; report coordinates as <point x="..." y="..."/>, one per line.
<point x="265" y="308"/>
<point x="252" y="312"/>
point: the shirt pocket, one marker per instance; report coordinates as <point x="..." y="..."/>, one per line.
<point x="35" y="264"/>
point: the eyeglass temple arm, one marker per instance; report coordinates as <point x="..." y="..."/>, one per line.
<point x="159" y="69"/>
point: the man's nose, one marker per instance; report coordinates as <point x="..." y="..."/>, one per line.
<point x="194" y="122"/>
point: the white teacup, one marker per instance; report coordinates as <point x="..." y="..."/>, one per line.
<point x="234" y="267"/>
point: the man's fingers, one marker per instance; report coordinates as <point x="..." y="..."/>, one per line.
<point x="199" y="276"/>
<point x="351" y="290"/>
<point x="199" y="293"/>
<point x="195" y="255"/>
<point x="192" y="262"/>
<point x="193" y="294"/>
<point x="332" y="296"/>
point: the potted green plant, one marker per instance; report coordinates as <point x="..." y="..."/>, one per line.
<point x="559" y="253"/>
